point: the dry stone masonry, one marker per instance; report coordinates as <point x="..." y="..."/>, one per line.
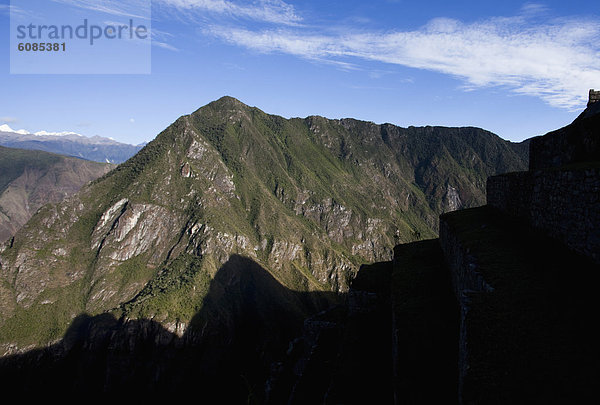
<point x="554" y="210"/>
<point x="594" y="97"/>
<point x="560" y="194"/>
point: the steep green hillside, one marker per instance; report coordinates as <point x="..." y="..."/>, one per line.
<point x="30" y="179"/>
<point x="309" y="200"/>
<point x="13" y="163"/>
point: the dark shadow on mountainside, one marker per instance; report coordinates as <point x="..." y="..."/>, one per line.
<point x="246" y="323"/>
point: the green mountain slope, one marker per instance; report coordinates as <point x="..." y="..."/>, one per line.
<point x="309" y="200"/>
<point x="30" y="179"/>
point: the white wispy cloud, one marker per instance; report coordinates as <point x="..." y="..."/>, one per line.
<point x="165" y="45"/>
<point x="532" y="9"/>
<point x="271" y="11"/>
<point x="130" y="8"/>
<point x="160" y="38"/>
<point x="14" y="11"/>
<point x="9" y="120"/>
<point x="554" y="60"/>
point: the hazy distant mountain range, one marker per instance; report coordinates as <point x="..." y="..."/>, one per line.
<point x="96" y="148"/>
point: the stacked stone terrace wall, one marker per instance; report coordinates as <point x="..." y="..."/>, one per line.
<point x="564" y="204"/>
<point x="560" y="194"/>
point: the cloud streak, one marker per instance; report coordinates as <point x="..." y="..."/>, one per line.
<point x="9" y="120"/>
<point x="555" y="60"/>
<point x="271" y="11"/>
<point x="131" y="8"/>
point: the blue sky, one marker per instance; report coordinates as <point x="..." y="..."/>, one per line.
<point x="518" y="69"/>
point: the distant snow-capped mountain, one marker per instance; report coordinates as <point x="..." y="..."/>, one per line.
<point x="94" y="148"/>
<point x="7" y="128"/>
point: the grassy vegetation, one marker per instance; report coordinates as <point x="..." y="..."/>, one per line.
<point x="176" y="291"/>
<point x="46" y="320"/>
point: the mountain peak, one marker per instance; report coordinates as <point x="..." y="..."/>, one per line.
<point x="226" y="103"/>
<point x="6" y="128"/>
<point x="229" y="101"/>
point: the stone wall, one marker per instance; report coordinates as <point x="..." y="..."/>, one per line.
<point x="559" y="196"/>
<point x="594" y="97"/>
<point x="564" y="204"/>
<point x="511" y="193"/>
<point x="466" y="281"/>
<point x="577" y="142"/>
